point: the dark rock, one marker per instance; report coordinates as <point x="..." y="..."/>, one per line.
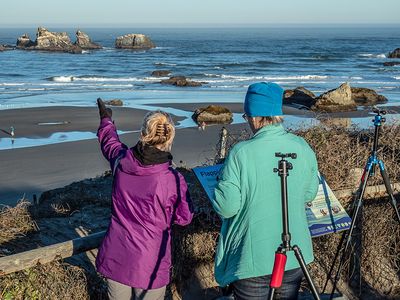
<point x="336" y="100"/>
<point x="391" y="63"/>
<point x="364" y="96"/>
<point x="84" y="41"/>
<point x="24" y="41"/>
<point x="213" y="114"/>
<point x="160" y="73"/>
<point x="299" y="95"/>
<point x="180" y="81"/>
<point x="395" y="53"/>
<point x="134" y="41"/>
<point x="48" y="41"/>
<point x="114" y="102"/>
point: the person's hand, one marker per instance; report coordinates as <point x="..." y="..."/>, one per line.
<point x="104" y="111"/>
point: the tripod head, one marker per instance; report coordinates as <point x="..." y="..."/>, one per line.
<point x="284" y="165"/>
<point x="379" y="119"/>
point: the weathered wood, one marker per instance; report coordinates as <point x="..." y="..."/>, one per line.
<point x="370" y="191"/>
<point x="222" y="143"/>
<point x="27" y="259"/>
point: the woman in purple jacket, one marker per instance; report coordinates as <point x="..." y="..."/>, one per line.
<point x="148" y="196"/>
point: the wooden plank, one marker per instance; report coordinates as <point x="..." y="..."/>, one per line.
<point x="43" y="255"/>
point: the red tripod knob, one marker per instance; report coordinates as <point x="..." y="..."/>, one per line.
<point x="278" y="271"/>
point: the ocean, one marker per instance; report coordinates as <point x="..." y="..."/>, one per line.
<point x="228" y="59"/>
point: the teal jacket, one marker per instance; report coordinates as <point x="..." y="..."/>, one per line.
<point x="248" y="198"/>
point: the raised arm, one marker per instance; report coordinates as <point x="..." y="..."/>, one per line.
<point x="110" y="144"/>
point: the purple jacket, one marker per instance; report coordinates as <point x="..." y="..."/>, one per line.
<point x="146" y="201"/>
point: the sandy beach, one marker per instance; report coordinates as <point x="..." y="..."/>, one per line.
<point x="32" y="170"/>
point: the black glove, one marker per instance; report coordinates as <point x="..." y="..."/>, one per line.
<point x="103" y="111"/>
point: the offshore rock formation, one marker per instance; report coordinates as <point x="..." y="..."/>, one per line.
<point x="84" y="41"/>
<point x="134" y="41"/>
<point x="180" y="81"/>
<point x="48" y="41"/>
<point x="391" y="63"/>
<point x="336" y="100"/>
<point x="160" y="73"/>
<point x="395" y="53"/>
<point x="213" y="114"/>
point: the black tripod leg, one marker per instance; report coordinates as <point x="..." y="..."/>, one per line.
<point x="303" y="266"/>
<point x="329" y="277"/>
<point x="349" y="233"/>
<point x="389" y="189"/>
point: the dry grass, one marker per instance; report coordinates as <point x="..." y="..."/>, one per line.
<point x="15" y="222"/>
<point x="55" y="280"/>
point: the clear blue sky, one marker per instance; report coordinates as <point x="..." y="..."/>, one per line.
<point x="149" y="12"/>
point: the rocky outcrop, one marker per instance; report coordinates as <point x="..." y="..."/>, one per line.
<point x="160" y="73"/>
<point x="114" y="102"/>
<point x="48" y="41"/>
<point x="299" y="95"/>
<point x="180" y="81"/>
<point x="24" y="41"/>
<point x="213" y="114"/>
<point x="336" y="100"/>
<point x="391" y="63"/>
<point x="395" y="53"/>
<point x="84" y="41"/>
<point x="364" y="96"/>
<point x="134" y="41"/>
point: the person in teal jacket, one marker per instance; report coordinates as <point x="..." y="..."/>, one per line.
<point x="248" y="199"/>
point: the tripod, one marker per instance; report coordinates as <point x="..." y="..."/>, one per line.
<point x="280" y="254"/>
<point x="369" y="170"/>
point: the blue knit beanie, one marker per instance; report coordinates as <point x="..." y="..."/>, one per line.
<point x="263" y="99"/>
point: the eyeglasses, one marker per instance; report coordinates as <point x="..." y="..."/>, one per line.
<point x="244" y="116"/>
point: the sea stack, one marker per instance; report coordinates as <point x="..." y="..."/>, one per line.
<point x="48" y="41"/>
<point x="134" y="41"/>
<point x="84" y="41"/>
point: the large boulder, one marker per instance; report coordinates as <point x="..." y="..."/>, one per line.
<point x="213" y="114"/>
<point x="48" y="41"/>
<point x="395" y="53"/>
<point x="180" y="81"/>
<point x="336" y="100"/>
<point x="299" y="95"/>
<point x="134" y="41"/>
<point x="160" y="73"/>
<point x="364" y="96"/>
<point x="84" y="41"/>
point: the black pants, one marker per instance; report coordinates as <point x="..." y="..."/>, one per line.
<point x="257" y="288"/>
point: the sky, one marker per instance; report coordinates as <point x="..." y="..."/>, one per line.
<point x="18" y="13"/>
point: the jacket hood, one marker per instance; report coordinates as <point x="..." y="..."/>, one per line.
<point x="131" y="165"/>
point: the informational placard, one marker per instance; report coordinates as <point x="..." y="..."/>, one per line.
<point x="208" y="177"/>
<point x="325" y="214"/>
